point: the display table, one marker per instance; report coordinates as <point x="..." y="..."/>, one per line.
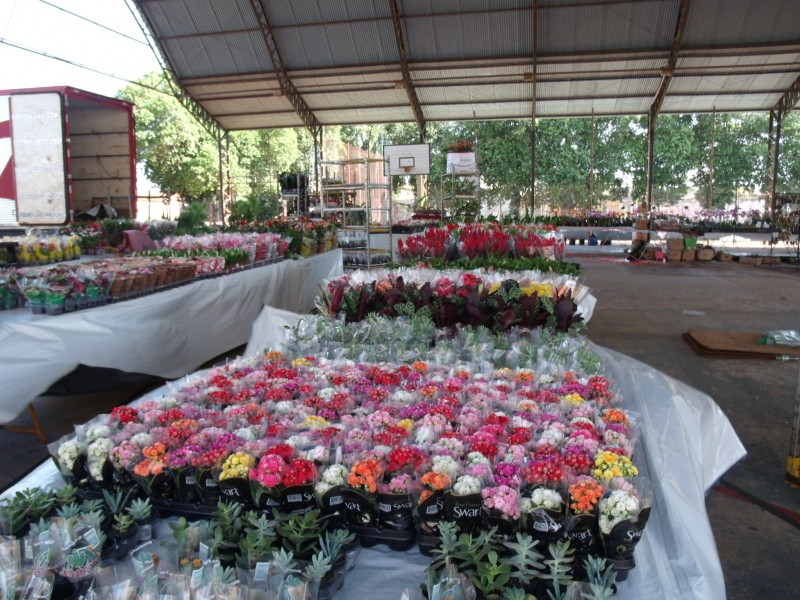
<point x="167" y="334"/>
<point x="687" y="445"/>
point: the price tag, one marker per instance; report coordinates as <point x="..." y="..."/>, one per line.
<point x="262" y="569"/>
<point x="334" y="500"/>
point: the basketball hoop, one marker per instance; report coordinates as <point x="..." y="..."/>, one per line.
<point x="406" y="169"/>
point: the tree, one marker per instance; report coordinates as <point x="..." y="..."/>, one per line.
<point x="739" y="154"/>
<point x="789" y="155"/>
<point x="178" y="155"/>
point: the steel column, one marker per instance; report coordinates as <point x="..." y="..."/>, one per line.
<point x="534" y="45"/>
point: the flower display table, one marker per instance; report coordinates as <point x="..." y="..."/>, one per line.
<point x="167" y="334"/>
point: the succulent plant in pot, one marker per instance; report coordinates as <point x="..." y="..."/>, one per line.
<point x="258" y="541"/>
<point x="24" y="508"/>
<point x="124" y="530"/>
<point x="142" y="512"/>
<point x="300" y="532"/>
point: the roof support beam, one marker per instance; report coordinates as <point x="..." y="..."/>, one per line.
<point x="776" y="115"/>
<point x="407" y="83"/>
<point x="666" y="78"/>
<point x="209" y="123"/>
<point x="534" y="25"/>
<point x="287" y="87"/>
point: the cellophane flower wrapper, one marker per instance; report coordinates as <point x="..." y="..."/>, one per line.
<point x="449" y="584"/>
<point x="623" y="514"/>
<point x="543" y="513"/>
<point x="233" y="480"/>
<point x="580" y="524"/>
<point x="69" y="454"/>
<point x="11" y="576"/>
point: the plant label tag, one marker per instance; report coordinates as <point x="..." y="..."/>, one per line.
<point x="197" y="578"/>
<point x="211" y="483"/>
<point x="385" y="507"/>
<point x="190" y="480"/>
<point x="432" y="510"/>
<point x="202" y="552"/>
<point x="335" y="500"/>
<point x="92" y="538"/>
<point x="294" y="498"/>
<point x="262" y="569"/>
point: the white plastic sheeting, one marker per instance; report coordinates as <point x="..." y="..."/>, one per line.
<point x="687" y="444"/>
<point x="167" y="334"/>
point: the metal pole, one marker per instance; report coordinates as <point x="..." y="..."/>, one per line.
<point x="711" y="159"/>
<point x="651" y="130"/>
<point x="533" y="109"/>
<point x="221" y="178"/>
<point x="591" y="167"/>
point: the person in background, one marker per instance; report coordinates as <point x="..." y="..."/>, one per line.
<point x="592" y="239"/>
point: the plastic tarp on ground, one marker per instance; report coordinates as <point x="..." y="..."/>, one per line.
<point x="687" y="444"/>
<point x="167" y="334"/>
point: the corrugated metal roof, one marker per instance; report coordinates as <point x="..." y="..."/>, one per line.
<point x="727" y="103"/>
<point x="617" y="26"/>
<point x="740" y="22"/>
<point x="468" y="58"/>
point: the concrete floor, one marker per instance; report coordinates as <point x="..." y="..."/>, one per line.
<point x="642" y="310"/>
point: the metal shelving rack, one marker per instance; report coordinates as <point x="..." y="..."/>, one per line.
<point x="297" y="196"/>
<point x="347" y="213"/>
<point x="455" y="175"/>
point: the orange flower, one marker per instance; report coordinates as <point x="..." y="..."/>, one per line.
<point x="585" y="494"/>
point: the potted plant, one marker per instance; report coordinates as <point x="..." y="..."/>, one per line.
<point x="124" y="530"/>
<point x="141" y="510"/>
<point x="299" y="533"/>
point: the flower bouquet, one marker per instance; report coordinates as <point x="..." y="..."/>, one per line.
<point x="360" y="493"/>
<point x="69" y="454"/>
<point x="151" y="472"/>
<point x="581" y="520"/>
<point x="430" y="507"/>
<point x="183" y="473"/>
<point x="543" y="511"/>
<point x="329" y="492"/>
<point x="267" y="481"/>
<point x="234" y="479"/>
<point x="298" y="495"/>
<point x="502" y="508"/>
<point x="623" y="513"/>
<point x="463" y="503"/>
<point x="207" y="465"/>
<point x="395" y="502"/>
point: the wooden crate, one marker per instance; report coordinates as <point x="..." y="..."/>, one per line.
<point x="688" y="254"/>
<point x="750" y="260"/>
<point x="675" y="255"/>
<point x="723" y="257"/>
<point x="674" y="243"/>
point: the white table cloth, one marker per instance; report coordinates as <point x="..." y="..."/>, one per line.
<point x="167" y="334"/>
<point x="687" y="444"/>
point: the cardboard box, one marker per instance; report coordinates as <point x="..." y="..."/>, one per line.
<point x="750" y="260"/>
<point x="675" y="255"/>
<point x="723" y="257"/>
<point x="675" y="244"/>
<point x="688" y="254"/>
